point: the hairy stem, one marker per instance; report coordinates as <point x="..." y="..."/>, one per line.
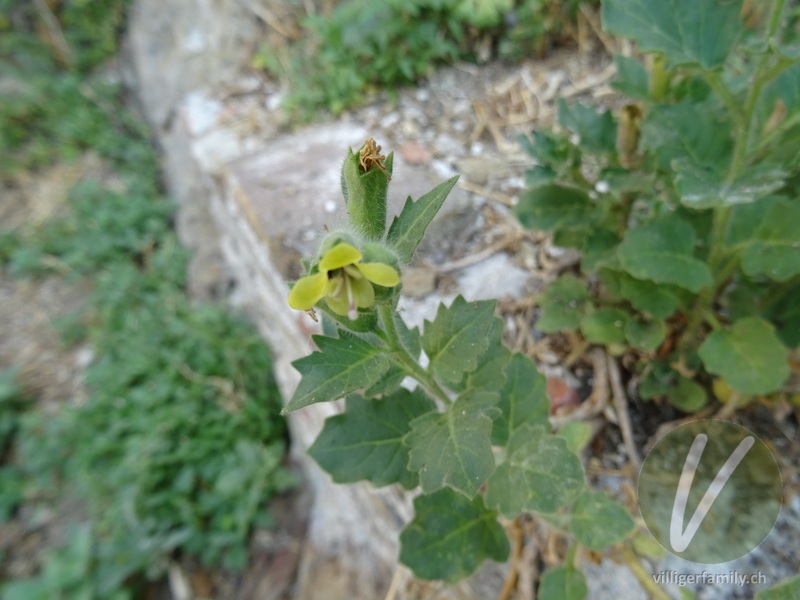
<point x="644" y="578"/>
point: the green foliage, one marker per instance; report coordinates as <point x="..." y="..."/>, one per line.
<point x="563" y="583"/>
<point x="683" y="205"/>
<point x="785" y="590"/>
<point x="12" y="406"/>
<point x="474" y="435"/>
<point x="363" y="44"/>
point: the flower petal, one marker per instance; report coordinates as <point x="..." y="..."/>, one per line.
<point x="308" y="291"/>
<point x="340" y="304"/>
<point x="363" y="294"/>
<point x="379" y="273"/>
<point x="339" y="256"/>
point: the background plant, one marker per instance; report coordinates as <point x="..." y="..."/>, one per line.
<point x="684" y="205"/>
<point x="362" y="45"/>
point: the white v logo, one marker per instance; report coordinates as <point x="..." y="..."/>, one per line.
<point x="679" y="539"/>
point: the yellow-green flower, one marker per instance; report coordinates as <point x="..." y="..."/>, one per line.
<point x="344" y="281"/>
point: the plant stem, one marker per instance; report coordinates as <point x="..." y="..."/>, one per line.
<point x="404" y="360"/>
<point x="644" y="578"/>
<point x="725" y="94"/>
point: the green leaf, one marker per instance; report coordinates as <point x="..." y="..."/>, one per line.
<point x="597" y="131"/>
<point x="598" y="521"/>
<point x="657" y="300"/>
<point x="563" y="583"/>
<point x="748" y="356"/>
<point x="604" y="326"/>
<point x="686" y="31"/>
<point x="523" y="400"/>
<point x="453" y="448"/>
<point x="662" y="252"/>
<point x="490" y="374"/>
<point x="577" y="434"/>
<point x="775" y="252"/>
<point x="539" y="474"/>
<point x="366" y="441"/>
<point x="552" y="207"/>
<point x="688" y="396"/>
<point x="562" y="305"/>
<point x="408" y="228"/>
<point x="632" y="78"/>
<point x="342" y="366"/>
<point x="457" y="337"/>
<point x="785" y="314"/>
<point x="451" y="536"/>
<point x="645" y="335"/>
<point x="745" y="220"/>
<point x="598" y="248"/>
<point x="674" y="131"/>
<point x="788" y="589"/>
<point x="704" y="187"/>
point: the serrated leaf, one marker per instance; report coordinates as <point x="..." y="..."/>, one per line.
<point x="342" y="366"/>
<point x="597" y="131"/>
<point x="562" y="305"/>
<point x="662" y="251"/>
<point x="688" y="396"/>
<point x="539" y="474"/>
<point x="598" y="521"/>
<point x="457" y="337"/>
<point x="552" y="207"/>
<point x="563" y="583"/>
<point x="604" y="326"/>
<point x="389" y="382"/>
<point x="453" y="448"/>
<point x="523" y="400"/>
<point x="704" y="187"/>
<point x="366" y="441"/>
<point x="408" y="228"/>
<point x="748" y="355"/>
<point x="577" y="434"/>
<point x="490" y="374"/>
<point x="686" y="31"/>
<point x="675" y="131"/>
<point x="632" y="78"/>
<point x="645" y="335"/>
<point x="775" y="251"/>
<point x="451" y="536"/>
<point x="788" y="589"/>
<point x="657" y="300"/>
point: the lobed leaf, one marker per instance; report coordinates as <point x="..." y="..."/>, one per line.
<point x="598" y="521"/>
<point x="453" y="448"/>
<point x="451" y="536"/>
<point x="523" y="400"/>
<point x="748" y="355"/>
<point x="597" y="131"/>
<point x="408" y="228"/>
<point x="553" y="206"/>
<point x="457" y="337"/>
<point x="342" y="366"/>
<point x="366" y="441"/>
<point x="540" y="474"/>
<point x="685" y="31"/>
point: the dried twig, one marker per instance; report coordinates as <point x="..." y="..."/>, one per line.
<point x="516" y="554"/>
<point x="623" y="416"/>
<point x="597" y="401"/>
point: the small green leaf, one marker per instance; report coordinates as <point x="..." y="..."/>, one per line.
<point x="704" y="187"/>
<point x="597" y="131"/>
<point x="457" y="337"/>
<point x="661" y="251"/>
<point x="788" y="589"/>
<point x="604" y="326"/>
<point x="688" y="396"/>
<point x="539" y="474"/>
<point x="451" y="536"/>
<point x="748" y="355"/>
<point x="563" y="583"/>
<point x="453" y="448"/>
<point x="598" y="248"/>
<point x="598" y="521"/>
<point x="342" y="366"/>
<point x="366" y="441"/>
<point x="632" y="78"/>
<point x="657" y="300"/>
<point x="523" y="400"/>
<point x="562" y="305"/>
<point x="408" y="228"/>
<point x="552" y="207"/>
<point x="645" y="335"/>
<point x="775" y="251"/>
<point x="577" y="434"/>
<point x="686" y="31"/>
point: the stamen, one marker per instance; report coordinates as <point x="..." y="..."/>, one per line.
<point x="352" y="312"/>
